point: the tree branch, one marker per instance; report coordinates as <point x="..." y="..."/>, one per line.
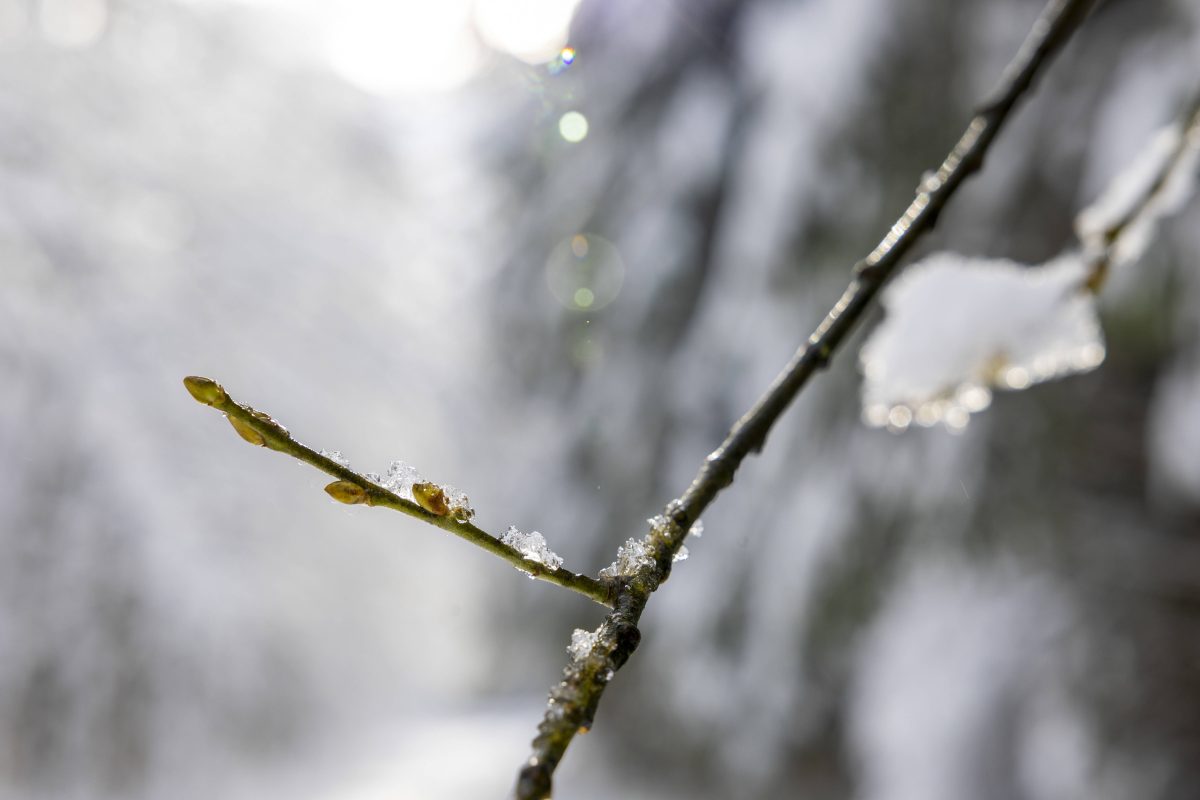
<point x="350" y="487"/>
<point x="574" y="700"/>
<point x="1099" y="246"/>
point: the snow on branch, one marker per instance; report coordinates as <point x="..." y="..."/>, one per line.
<point x="403" y="490"/>
<point x="957" y="327"/>
<point x="597" y="656"/>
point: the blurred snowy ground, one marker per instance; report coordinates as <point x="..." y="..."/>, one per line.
<point x="346" y="213"/>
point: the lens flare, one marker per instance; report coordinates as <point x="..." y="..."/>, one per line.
<point x="584" y="272"/>
<point x="573" y="127"/>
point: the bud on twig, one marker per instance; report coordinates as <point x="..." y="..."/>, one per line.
<point x="205" y="390"/>
<point x="346" y="492"/>
<point x="430" y="497"/>
<point x="246" y="432"/>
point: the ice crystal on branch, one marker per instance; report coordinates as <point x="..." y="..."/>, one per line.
<point x="631" y="556"/>
<point x="582" y="643"/>
<point x="697" y="529"/>
<point x="957" y="326"/>
<point x="404" y="480"/>
<point x="336" y="457"/>
<point x="459" y="503"/>
<point x="532" y="546"/>
<point x="400" y="479"/>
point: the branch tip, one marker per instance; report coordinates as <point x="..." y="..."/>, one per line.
<point x="205" y="390"/>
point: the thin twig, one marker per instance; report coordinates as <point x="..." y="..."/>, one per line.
<point x="258" y="428"/>
<point x="574" y="700"/>
<point x="1101" y="249"/>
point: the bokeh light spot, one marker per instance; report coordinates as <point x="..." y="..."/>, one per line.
<point x="584" y="297"/>
<point x="585" y="272"/>
<point x="579" y="245"/>
<point x="573" y="126"/>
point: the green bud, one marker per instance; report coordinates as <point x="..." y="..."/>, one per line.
<point x="430" y="497"/>
<point x="246" y="432"/>
<point x="205" y="390"/>
<point x="346" y="492"/>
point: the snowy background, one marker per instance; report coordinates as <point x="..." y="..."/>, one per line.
<point x="360" y="217"/>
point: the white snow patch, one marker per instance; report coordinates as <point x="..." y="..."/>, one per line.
<point x="1158" y="183"/>
<point x="532" y="546"/>
<point x="957" y="326"/>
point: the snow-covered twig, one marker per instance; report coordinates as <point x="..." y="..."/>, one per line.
<point x="1116" y="229"/>
<point x="958" y="327"/>
<point x="574" y="700"/>
<point x="350" y="487"/>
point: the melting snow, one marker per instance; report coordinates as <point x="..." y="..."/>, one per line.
<point x="631" y="556"/>
<point x="957" y="326"/>
<point x="532" y="546"/>
<point x="1121" y="222"/>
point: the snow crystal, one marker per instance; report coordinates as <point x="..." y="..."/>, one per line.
<point x="697" y="529"/>
<point x="374" y="478"/>
<point x="582" y="643"/>
<point x="400" y="479"/>
<point x="631" y="556"/>
<point x="956" y="326"/>
<point x="336" y="457"/>
<point x="459" y="503"/>
<point x="681" y="554"/>
<point x="1157" y="184"/>
<point x="532" y="546"/>
<point x="659" y="525"/>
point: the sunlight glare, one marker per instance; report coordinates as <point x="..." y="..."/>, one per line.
<point x="389" y="48"/>
<point x="73" y="23"/>
<point x="534" y="31"/>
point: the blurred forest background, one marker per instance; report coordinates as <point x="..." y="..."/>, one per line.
<point x="354" y="215"/>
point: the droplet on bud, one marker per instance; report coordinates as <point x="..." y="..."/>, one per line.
<point x="346" y="492"/>
<point x="430" y="497"/>
<point x="246" y="432"/>
<point x="205" y="390"/>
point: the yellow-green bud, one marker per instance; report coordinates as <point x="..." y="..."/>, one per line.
<point x="205" y="390"/>
<point x="346" y="492"/>
<point x="246" y="432"/>
<point x="430" y="497"/>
